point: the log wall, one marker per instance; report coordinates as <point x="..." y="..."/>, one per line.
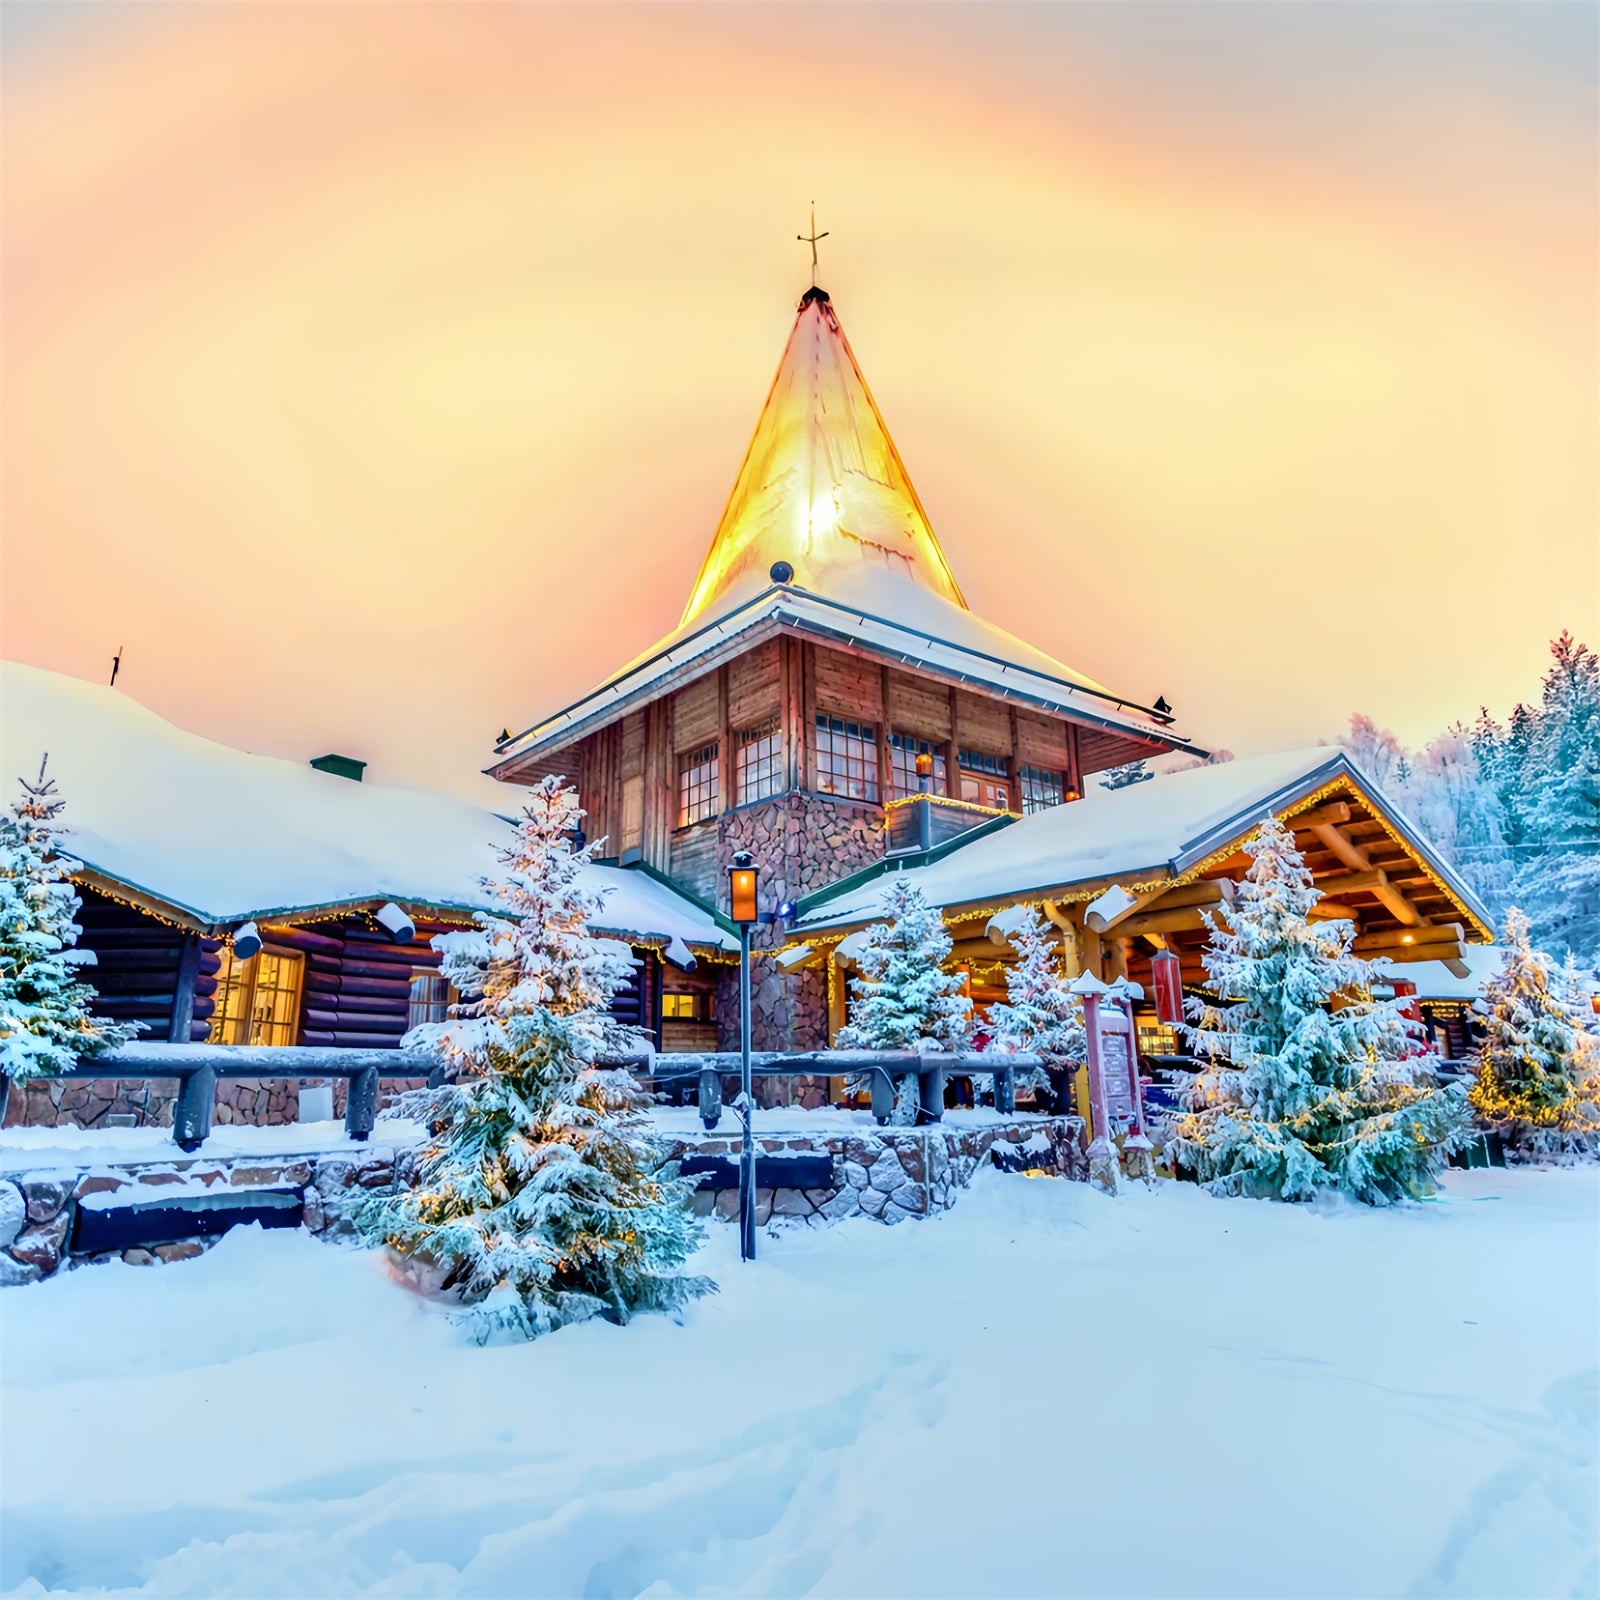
<point x="139" y="965"/>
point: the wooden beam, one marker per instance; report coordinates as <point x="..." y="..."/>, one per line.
<point x="1415" y="952"/>
<point x="1100" y="923"/>
<point x="1329" y="910"/>
<point x="1398" y="903"/>
<point x="1184" y="917"/>
<point x="1436" y="933"/>
<point x="1346" y="850"/>
<point x="1339" y="883"/>
<point x="1202" y="892"/>
<point x="1320" y="816"/>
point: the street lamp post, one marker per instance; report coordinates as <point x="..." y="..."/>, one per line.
<point x="742" y="880"/>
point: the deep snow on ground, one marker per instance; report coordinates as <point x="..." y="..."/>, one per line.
<point x="1045" y="1391"/>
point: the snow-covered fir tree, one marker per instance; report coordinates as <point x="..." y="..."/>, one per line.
<point x="1040" y="1015"/>
<point x="541" y="1199"/>
<point x="903" y="999"/>
<point x="1558" y="881"/>
<point x="1128" y="774"/>
<point x="1538" y="1061"/>
<point x="46" y="1020"/>
<point x="1514" y="807"/>
<point x="1309" y="1083"/>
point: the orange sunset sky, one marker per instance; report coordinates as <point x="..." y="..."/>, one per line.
<point x="375" y="374"/>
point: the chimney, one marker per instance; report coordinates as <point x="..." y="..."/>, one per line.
<point x="340" y="766"/>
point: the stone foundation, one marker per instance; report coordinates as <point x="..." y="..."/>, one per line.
<point x="888" y="1173"/>
<point x="92" y="1102"/>
<point x="37" y="1208"/>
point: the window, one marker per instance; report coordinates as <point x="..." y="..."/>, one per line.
<point x="757" y="761"/>
<point x="1157" y="1038"/>
<point x="1041" y="788"/>
<point x="847" y="758"/>
<point x="632" y="815"/>
<point x="697" y="785"/>
<point x="904" y="748"/>
<point x="429" y="999"/>
<point x="694" y="1007"/>
<point x="983" y="780"/>
<point x="258" y="1001"/>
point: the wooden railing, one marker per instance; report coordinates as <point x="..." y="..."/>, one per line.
<point x="197" y="1067"/>
<point x="886" y="1070"/>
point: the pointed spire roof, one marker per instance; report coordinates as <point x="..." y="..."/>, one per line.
<point x="824" y="534"/>
<point x="822" y="486"/>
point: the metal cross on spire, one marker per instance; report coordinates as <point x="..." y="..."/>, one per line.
<point x="811" y="239"/>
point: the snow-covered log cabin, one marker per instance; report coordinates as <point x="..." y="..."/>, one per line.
<point x="244" y="899"/>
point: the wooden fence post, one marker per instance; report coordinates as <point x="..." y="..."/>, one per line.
<point x="191" y="1117"/>
<point x="361" y="1103"/>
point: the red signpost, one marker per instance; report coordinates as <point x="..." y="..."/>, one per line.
<point x="1115" y="1101"/>
<point x="1166" y="978"/>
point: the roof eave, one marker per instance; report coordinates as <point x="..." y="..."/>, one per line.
<point x="545" y="736"/>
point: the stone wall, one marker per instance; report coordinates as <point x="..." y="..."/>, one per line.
<point x="92" y="1102"/>
<point x="788" y="1010"/>
<point x="801" y="842"/>
<point x="37" y="1208"/>
<point x="888" y="1173"/>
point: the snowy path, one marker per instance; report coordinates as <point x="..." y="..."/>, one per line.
<point x="1043" y="1392"/>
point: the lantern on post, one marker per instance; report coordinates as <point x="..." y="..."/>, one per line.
<point x="923" y="804"/>
<point x="1166" y="978"/>
<point x="743" y="882"/>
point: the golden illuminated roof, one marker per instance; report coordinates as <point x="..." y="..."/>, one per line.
<point x="822" y="486"/>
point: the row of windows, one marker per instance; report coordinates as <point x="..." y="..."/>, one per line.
<point x="847" y="765"/>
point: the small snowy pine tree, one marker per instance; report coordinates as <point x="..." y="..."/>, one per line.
<point x="1041" y="1014"/>
<point x="1300" y="1095"/>
<point x="46" y="1025"/>
<point x="904" y="1000"/>
<point x="541" y="1199"/>
<point x="1537" y="1064"/>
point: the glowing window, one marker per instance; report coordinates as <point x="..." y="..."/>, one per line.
<point x="1157" y="1039"/>
<point x="258" y="1001"/>
<point x="1041" y="788"/>
<point x="757" y="761"/>
<point x="679" y="1007"/>
<point x="847" y="758"/>
<point x="904" y="748"/>
<point x="697" y="785"/>
<point x="429" y="1000"/>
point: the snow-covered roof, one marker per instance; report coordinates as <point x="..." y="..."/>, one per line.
<point x="823" y="489"/>
<point x="225" y="836"/>
<point x="1146" y="831"/>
